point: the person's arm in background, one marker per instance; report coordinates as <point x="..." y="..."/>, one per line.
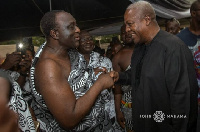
<point x="8" y="119"/>
<point x="118" y="94"/>
<point x="11" y="60"/>
<point x="14" y="59"/>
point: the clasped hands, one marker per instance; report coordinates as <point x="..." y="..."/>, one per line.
<point x="111" y="76"/>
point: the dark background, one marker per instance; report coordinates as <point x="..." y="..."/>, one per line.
<point x="20" y="18"/>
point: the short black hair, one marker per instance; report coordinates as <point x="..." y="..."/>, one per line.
<point x="48" y="22"/>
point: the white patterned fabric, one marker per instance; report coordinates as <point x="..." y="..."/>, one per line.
<point x="26" y="90"/>
<point x="83" y="74"/>
<point x="13" y="74"/>
<point x="102" y="115"/>
<point x="20" y="106"/>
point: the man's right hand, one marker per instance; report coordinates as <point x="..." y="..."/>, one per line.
<point x="114" y="75"/>
<point x="105" y="80"/>
<point x="11" y="60"/>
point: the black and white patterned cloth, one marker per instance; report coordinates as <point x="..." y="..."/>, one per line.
<point x="19" y="105"/>
<point x="102" y="115"/>
<point x="127" y="97"/>
<point x="26" y="90"/>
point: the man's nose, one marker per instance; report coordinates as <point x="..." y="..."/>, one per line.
<point x="127" y="29"/>
<point x="77" y="30"/>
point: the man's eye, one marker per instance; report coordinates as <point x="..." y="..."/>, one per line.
<point x="71" y="26"/>
<point x="130" y="24"/>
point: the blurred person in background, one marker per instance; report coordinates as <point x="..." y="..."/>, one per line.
<point x="11" y="102"/>
<point x="123" y="98"/>
<point x="102" y="116"/>
<point x="116" y="48"/>
<point x="172" y="26"/>
<point x="191" y="37"/>
<point x="17" y="66"/>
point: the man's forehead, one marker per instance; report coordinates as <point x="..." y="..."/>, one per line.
<point x="64" y="16"/>
<point x="130" y="11"/>
<point x="130" y="14"/>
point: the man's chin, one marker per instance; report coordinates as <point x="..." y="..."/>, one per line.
<point x="130" y="42"/>
<point x="76" y="44"/>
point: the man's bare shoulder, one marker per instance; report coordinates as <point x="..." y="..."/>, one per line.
<point x="51" y="72"/>
<point x="47" y="62"/>
<point x="126" y="49"/>
<point x="123" y="53"/>
<point x="49" y="67"/>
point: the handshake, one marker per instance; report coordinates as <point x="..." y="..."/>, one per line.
<point x="107" y="79"/>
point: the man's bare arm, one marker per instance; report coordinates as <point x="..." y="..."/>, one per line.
<point x="51" y="82"/>
<point x="118" y="92"/>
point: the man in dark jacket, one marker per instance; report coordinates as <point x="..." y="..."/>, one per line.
<point x="162" y="75"/>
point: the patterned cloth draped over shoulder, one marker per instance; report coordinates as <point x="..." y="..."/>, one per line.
<point x="81" y="78"/>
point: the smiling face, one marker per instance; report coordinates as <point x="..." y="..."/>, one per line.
<point x="66" y="30"/>
<point x="135" y="25"/>
<point x="86" y="43"/>
<point x="126" y="36"/>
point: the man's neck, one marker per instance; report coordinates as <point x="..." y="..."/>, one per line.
<point x="194" y="27"/>
<point x="56" y="49"/>
<point x="87" y="57"/>
<point x="151" y="36"/>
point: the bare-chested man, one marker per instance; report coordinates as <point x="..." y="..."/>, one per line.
<point x="121" y="62"/>
<point x="55" y="104"/>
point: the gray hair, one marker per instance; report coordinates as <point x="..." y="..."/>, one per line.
<point x="143" y="8"/>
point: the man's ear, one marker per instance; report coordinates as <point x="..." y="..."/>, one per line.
<point x="193" y="13"/>
<point x="54" y="34"/>
<point x="147" y="19"/>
